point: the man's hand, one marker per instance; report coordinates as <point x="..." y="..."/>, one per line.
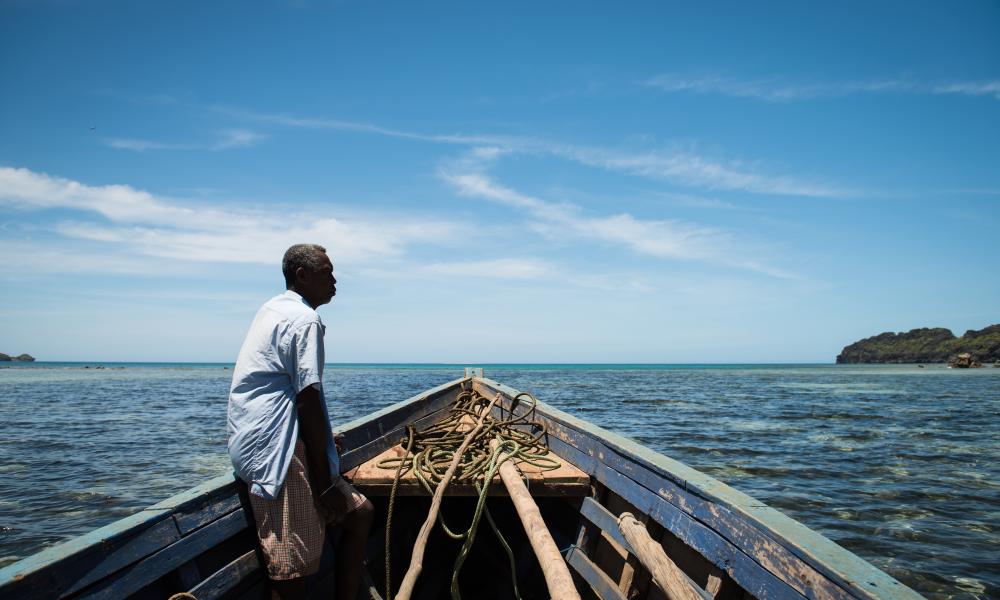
<point x="334" y="500"/>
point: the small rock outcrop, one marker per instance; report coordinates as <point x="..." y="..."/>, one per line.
<point x="22" y="357"/>
<point x="964" y="361"/>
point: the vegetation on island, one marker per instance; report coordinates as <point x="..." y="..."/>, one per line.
<point x="925" y="345"/>
<point x="22" y="357"/>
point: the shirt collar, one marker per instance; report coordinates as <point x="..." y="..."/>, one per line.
<point x="296" y="296"/>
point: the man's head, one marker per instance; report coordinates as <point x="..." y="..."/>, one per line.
<point x="309" y="272"/>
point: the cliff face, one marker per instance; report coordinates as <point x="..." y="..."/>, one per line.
<point x="924" y="345"/>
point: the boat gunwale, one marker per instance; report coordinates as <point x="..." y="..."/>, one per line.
<point x="845" y="569"/>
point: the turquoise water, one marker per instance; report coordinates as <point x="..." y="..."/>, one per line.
<point x="897" y="463"/>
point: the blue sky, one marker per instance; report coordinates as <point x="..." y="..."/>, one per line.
<point x="507" y="182"/>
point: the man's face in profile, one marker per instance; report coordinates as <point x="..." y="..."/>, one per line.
<point x="317" y="287"/>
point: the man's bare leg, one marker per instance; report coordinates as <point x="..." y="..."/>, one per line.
<point x="351" y="550"/>
<point x="288" y="589"/>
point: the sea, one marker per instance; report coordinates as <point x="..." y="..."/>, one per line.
<point x="899" y="464"/>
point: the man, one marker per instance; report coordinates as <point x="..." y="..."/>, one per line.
<point x="280" y="439"/>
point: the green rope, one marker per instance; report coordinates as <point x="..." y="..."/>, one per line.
<point x="430" y="452"/>
<point x="410" y="435"/>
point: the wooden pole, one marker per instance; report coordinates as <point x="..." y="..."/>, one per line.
<point x="557" y="577"/>
<point x="665" y="573"/>
<point x="417" y="560"/>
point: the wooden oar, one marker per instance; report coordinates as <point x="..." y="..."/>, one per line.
<point x="417" y="561"/>
<point x="557" y="576"/>
<point x="666" y="574"/>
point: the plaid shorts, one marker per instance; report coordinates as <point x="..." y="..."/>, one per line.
<point x="292" y="527"/>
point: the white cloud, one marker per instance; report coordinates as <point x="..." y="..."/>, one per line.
<point x="227" y="139"/>
<point x="776" y="90"/>
<point x="970" y="88"/>
<point x="160" y="227"/>
<point x="144" y="145"/>
<point x="663" y="238"/>
<point x="237" y="138"/>
<point x="771" y="90"/>
<point x="23" y="188"/>
<point x="501" y="268"/>
<point x="677" y="166"/>
<point x="70" y="256"/>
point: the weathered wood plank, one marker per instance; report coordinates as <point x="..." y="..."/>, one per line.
<point x="599" y="516"/>
<point x="752" y="542"/>
<point x="373" y="480"/>
<point x="197" y="495"/>
<point x="228" y="577"/>
<point x="153" y="567"/>
<point x="214" y="506"/>
<point x="94" y="555"/>
<point x="540" y="490"/>
<point x="603" y="586"/>
<point x="189" y="574"/>
<point x="742" y="568"/>
<point x="153" y="539"/>
<point x="667" y="575"/>
<point x="740" y="518"/>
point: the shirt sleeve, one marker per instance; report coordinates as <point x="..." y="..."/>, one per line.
<point x="306" y="353"/>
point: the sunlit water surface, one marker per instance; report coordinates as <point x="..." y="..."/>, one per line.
<point x="899" y="464"/>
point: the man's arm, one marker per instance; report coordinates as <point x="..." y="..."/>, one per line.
<point x="313" y="429"/>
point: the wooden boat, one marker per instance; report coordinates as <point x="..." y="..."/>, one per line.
<point x="727" y="544"/>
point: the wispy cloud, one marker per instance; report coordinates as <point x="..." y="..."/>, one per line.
<point x="226" y="140"/>
<point x="694" y="170"/>
<point x="697" y="201"/>
<point x="679" y="166"/>
<point x="501" y="268"/>
<point x="663" y="238"/>
<point x="141" y="222"/>
<point x="327" y="124"/>
<point x="778" y="90"/>
<point x="970" y="88"/>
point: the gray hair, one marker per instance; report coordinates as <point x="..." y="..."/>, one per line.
<point x="308" y="256"/>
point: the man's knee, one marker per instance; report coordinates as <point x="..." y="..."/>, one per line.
<point x="361" y="517"/>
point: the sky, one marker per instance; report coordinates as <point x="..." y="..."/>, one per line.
<point x="499" y="182"/>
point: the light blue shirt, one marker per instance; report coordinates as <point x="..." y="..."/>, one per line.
<point x="282" y="355"/>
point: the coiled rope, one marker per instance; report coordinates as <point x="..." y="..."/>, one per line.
<point x="430" y="452"/>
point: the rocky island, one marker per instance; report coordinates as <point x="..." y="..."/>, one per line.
<point x="927" y="345"/>
<point x="22" y="357"/>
